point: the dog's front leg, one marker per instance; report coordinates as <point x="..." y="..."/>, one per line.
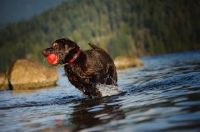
<point x="88" y="86"/>
<point x="84" y="88"/>
<point x="90" y="90"/>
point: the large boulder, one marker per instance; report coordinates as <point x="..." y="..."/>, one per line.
<point x="28" y="74"/>
<point x="123" y="62"/>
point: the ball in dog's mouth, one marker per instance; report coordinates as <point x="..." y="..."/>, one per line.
<point x="52" y="58"/>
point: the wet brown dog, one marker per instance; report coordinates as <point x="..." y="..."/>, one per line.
<point x="84" y="69"/>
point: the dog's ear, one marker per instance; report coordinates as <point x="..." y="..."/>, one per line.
<point x="69" y="45"/>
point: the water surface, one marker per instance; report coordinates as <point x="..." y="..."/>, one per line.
<point x="163" y="95"/>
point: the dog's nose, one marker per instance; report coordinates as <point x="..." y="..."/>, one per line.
<point x="44" y="52"/>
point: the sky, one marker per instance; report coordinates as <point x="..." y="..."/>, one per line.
<point x="12" y="11"/>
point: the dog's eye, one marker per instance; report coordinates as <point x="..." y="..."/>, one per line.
<point x="55" y="45"/>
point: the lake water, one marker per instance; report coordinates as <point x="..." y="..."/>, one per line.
<point x="163" y="95"/>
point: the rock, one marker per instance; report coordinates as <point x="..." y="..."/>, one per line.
<point x="28" y="74"/>
<point x="3" y="82"/>
<point x="123" y="62"/>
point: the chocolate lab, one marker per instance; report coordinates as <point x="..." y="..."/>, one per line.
<point x="84" y="69"/>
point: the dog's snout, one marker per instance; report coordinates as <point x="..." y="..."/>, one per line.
<point x="44" y="52"/>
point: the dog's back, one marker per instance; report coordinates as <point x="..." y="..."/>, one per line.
<point x="107" y="62"/>
<point x="103" y="55"/>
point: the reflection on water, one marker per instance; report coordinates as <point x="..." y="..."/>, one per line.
<point x="163" y="95"/>
<point x="89" y="113"/>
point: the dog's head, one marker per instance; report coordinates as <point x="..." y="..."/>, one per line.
<point x="63" y="48"/>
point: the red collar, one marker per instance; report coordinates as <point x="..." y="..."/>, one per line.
<point x="74" y="58"/>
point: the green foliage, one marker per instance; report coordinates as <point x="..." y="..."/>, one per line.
<point x="126" y="27"/>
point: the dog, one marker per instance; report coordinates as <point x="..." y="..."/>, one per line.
<point x="84" y="69"/>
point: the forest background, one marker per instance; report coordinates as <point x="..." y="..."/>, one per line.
<point x="121" y="27"/>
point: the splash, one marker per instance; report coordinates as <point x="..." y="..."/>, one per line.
<point x="108" y="90"/>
